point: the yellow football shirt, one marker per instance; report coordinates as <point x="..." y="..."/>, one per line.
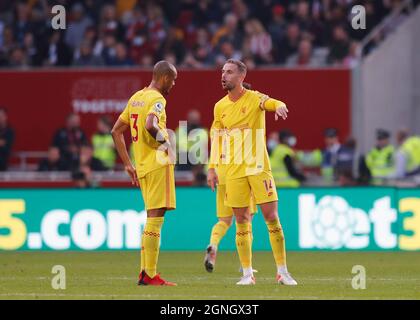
<point x="243" y="125"/>
<point x="148" y="153"/>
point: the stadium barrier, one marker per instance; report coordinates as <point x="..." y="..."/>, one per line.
<point x="112" y="219"/>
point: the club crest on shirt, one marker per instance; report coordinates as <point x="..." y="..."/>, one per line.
<point x="158" y="107"/>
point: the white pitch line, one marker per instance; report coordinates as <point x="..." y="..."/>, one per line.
<point x="259" y="297"/>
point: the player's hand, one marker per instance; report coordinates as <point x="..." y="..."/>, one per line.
<point x="281" y="112"/>
<point x="212" y="179"/>
<point x="133" y="175"/>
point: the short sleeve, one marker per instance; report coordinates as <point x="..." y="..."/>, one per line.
<point x="157" y="107"/>
<point x="125" y="115"/>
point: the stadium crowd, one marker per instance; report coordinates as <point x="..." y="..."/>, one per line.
<point x="188" y="33"/>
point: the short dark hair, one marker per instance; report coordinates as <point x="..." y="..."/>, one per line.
<point x="241" y="66"/>
<point x="163" y="68"/>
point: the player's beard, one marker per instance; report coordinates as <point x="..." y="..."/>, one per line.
<point x="228" y="86"/>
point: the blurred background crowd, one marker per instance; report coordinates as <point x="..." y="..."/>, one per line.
<point x="335" y="163"/>
<point x="189" y="33"/>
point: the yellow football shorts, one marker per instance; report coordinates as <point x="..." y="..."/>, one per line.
<point x="158" y="188"/>
<point x="262" y="186"/>
<point x="224" y="211"/>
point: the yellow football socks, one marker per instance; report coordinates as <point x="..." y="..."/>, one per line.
<point x="218" y="232"/>
<point x="142" y="257"/>
<point x="244" y="244"/>
<point x="277" y="242"/>
<point x="151" y="238"/>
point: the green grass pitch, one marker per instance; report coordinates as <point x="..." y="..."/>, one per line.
<point x="112" y="275"/>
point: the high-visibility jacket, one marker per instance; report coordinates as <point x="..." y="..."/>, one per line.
<point x="281" y="175"/>
<point x="103" y="149"/>
<point x="381" y="161"/>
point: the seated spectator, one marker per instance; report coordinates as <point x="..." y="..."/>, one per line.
<point x="258" y="41"/>
<point x="18" y="58"/>
<point x="57" y="52"/>
<point x="229" y="32"/>
<point x="87" y="160"/>
<point x="87" y="58"/>
<point x="70" y="138"/>
<point x="53" y="162"/>
<point x="121" y="58"/>
<point x="227" y="51"/>
<point x="103" y="144"/>
<point x="6" y="139"/>
<point x="77" y="26"/>
<point x="304" y="56"/>
<point x="339" y="48"/>
<point x="289" y="45"/>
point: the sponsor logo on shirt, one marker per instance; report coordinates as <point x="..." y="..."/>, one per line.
<point x="137" y="104"/>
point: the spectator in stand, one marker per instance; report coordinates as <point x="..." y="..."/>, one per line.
<point x="109" y="24"/>
<point x="302" y="16"/>
<point x="156" y="28"/>
<point x="257" y="42"/>
<point x="339" y="48"/>
<point x="32" y="52"/>
<point x="6" y="139"/>
<point x="174" y="44"/>
<point x="57" y="52"/>
<point x="289" y="45"/>
<point x="147" y="61"/>
<point x="277" y="27"/>
<point x="121" y="58"/>
<point x="70" y="138"/>
<point x="53" y="161"/>
<point x="21" y="24"/>
<point x="304" y="57"/>
<point x="87" y="58"/>
<point x="18" y="58"/>
<point x="76" y="28"/>
<point x="87" y="160"/>
<point x="103" y="144"/>
<point x="108" y="51"/>
<point x="227" y="51"/>
<point x="229" y="32"/>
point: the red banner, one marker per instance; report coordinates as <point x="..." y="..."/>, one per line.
<point x="38" y="101"/>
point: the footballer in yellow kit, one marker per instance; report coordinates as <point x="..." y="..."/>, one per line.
<point x="241" y="115"/>
<point x="145" y="117"/>
<point x="153" y="166"/>
<point x="247" y="162"/>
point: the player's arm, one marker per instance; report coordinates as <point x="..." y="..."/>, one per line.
<point x="118" y="135"/>
<point x="152" y="127"/>
<point x="273" y="105"/>
<point x="212" y="179"/>
<point x="160" y="135"/>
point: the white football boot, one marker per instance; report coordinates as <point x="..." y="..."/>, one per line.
<point x="246" y="280"/>
<point x="286" y="279"/>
